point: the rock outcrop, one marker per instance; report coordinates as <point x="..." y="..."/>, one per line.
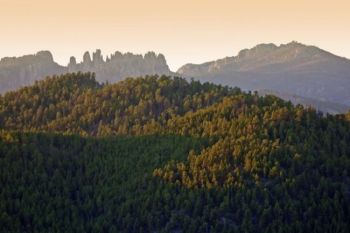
<point x="119" y="65"/>
<point x="23" y="71"/>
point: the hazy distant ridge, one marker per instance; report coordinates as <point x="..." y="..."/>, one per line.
<point x="118" y="65"/>
<point x="292" y="68"/>
<point x="23" y="71"/>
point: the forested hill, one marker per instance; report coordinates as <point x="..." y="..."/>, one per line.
<point x="160" y="154"/>
<point x="76" y="103"/>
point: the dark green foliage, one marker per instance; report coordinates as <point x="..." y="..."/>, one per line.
<point x="71" y="184"/>
<point x="169" y="156"/>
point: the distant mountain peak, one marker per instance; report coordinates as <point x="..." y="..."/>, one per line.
<point x="290" y="50"/>
<point x="40" y="57"/>
<point x="259" y="49"/>
<point x="16" y="72"/>
<point x="262" y="55"/>
<point x="295" y="43"/>
<point x="45" y="55"/>
<point x="295" y="68"/>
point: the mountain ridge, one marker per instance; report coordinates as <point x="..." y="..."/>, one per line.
<point x="265" y="49"/>
<point x="289" y="69"/>
<point x="295" y="68"/>
<point x="16" y="72"/>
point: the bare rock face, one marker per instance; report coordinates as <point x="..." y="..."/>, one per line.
<point x="292" y="68"/>
<point x="72" y="64"/>
<point x="97" y="58"/>
<point x="119" y="66"/>
<point x="23" y="71"/>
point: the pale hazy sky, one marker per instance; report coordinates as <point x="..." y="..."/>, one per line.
<point x="183" y="30"/>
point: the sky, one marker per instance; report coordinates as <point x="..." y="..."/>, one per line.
<point x="185" y="31"/>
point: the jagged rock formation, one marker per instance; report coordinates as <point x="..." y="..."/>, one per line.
<point x="119" y="65"/>
<point x="23" y="71"/>
<point x="293" y="68"/>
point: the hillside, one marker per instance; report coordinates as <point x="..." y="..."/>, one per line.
<point x="160" y="154"/>
<point x="319" y="105"/>
<point x="292" y="68"/>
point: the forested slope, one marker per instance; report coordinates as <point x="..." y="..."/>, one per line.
<point x="160" y="154"/>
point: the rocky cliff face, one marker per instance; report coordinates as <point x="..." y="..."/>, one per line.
<point x="22" y="71"/>
<point x="119" y="65"/>
<point x="292" y="68"/>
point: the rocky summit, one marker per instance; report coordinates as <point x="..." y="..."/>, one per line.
<point x="293" y="68"/>
<point x="22" y="71"/>
<point x="16" y="72"/>
<point x="119" y="65"/>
